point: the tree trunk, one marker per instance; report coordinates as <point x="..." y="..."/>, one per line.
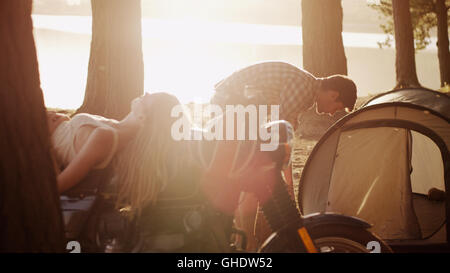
<point x="442" y="43"/>
<point x="323" y="49"/>
<point x="30" y="215"/>
<point x="116" y="69"/>
<point x="405" y="62"/>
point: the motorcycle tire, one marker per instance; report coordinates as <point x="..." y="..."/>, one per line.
<point x="330" y="238"/>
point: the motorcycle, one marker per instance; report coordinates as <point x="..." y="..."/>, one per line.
<point x="201" y="218"/>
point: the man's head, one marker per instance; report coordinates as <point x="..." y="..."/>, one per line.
<point x="336" y="93"/>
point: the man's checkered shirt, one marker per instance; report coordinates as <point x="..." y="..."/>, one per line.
<point x="278" y="83"/>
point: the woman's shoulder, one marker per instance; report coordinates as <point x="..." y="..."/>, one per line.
<point x="90" y="119"/>
<point x="82" y="117"/>
<point x="104" y="135"/>
<point x="87" y="116"/>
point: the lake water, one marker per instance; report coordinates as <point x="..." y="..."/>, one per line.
<point x="187" y="57"/>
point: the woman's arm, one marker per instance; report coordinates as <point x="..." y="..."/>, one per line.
<point x="94" y="150"/>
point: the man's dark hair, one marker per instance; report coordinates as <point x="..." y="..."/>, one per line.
<point x="344" y="86"/>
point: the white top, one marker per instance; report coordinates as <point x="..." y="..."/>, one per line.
<point x="64" y="138"/>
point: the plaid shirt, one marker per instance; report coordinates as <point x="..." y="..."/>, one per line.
<point x="278" y="83"/>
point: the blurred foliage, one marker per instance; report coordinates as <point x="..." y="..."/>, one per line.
<point x="423" y="19"/>
<point x="445" y="89"/>
<point x="62" y="111"/>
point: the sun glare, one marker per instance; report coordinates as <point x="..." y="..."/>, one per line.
<point x="189" y="48"/>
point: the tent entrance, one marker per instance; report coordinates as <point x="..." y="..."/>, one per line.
<point x="383" y="175"/>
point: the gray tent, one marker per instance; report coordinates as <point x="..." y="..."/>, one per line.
<point x="379" y="164"/>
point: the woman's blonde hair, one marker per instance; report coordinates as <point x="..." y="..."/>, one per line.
<point x="153" y="158"/>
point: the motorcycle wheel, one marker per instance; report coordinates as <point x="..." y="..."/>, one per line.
<point x="331" y="238"/>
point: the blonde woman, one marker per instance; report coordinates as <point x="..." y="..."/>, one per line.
<point x="145" y="158"/>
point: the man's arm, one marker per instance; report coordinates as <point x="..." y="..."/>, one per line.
<point x="245" y="216"/>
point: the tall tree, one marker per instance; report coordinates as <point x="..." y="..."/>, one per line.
<point x="425" y="15"/>
<point x="116" y="69"/>
<point x="323" y="49"/>
<point x="30" y="216"/>
<point x="443" y="53"/>
<point x="405" y="61"/>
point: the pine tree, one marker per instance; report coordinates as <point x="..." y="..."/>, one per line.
<point x="116" y="69"/>
<point x="405" y="61"/>
<point x="30" y="215"/>
<point x="323" y="48"/>
<point x="425" y="15"/>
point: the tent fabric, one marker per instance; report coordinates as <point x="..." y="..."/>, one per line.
<point x="403" y="113"/>
<point x="431" y="216"/>
<point x="318" y="168"/>
<point x="427" y="165"/>
<point x="358" y="189"/>
<point x="438" y="102"/>
<point x="374" y="163"/>
<point x="314" y="182"/>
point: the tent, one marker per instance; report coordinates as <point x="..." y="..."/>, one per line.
<point x="380" y="163"/>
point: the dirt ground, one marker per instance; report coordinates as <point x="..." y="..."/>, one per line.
<point x="302" y="148"/>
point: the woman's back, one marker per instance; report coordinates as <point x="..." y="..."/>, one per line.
<point x="70" y="136"/>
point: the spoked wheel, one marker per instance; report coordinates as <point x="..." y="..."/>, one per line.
<point x="347" y="239"/>
<point x="328" y="238"/>
<point x="338" y="245"/>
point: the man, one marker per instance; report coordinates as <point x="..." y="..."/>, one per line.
<point x="294" y="89"/>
